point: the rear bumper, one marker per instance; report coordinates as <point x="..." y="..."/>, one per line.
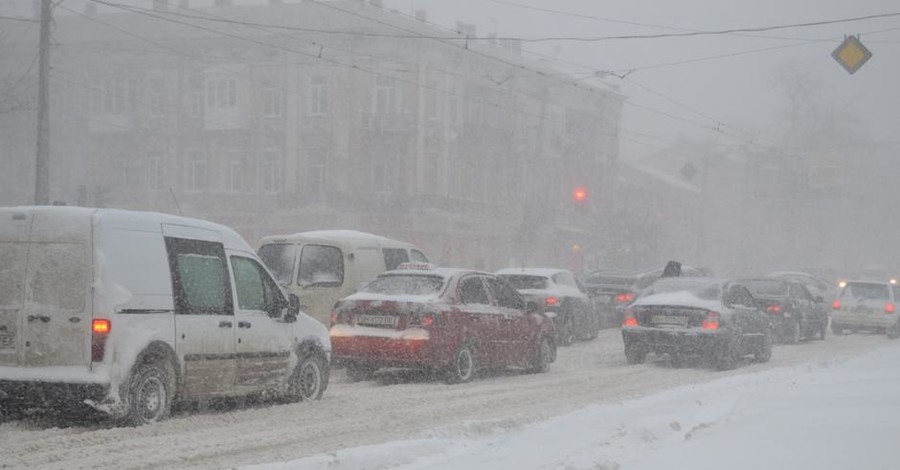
<point x="680" y="341"/>
<point x="389" y="352"/>
<point x="865" y="322"/>
<point x="51" y="394"/>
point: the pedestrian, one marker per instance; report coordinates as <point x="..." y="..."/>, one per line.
<point x="672" y="269"/>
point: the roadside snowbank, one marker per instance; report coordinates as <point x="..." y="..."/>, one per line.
<point x="821" y="415"/>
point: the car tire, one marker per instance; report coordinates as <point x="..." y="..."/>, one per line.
<point x="727" y="358"/>
<point x="567" y="330"/>
<point x="894" y="331"/>
<point x="359" y="373"/>
<point x="794" y="334"/>
<point x="765" y="352"/>
<point x="543" y="356"/>
<point x="150" y="393"/>
<point x="463" y="367"/>
<point x="592" y="326"/>
<point x="837" y="330"/>
<point x="309" y="380"/>
<point x="823" y="330"/>
<point x="677" y="360"/>
<point x="635" y="355"/>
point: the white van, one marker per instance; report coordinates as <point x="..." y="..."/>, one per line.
<point x="129" y="312"/>
<point x="324" y="266"/>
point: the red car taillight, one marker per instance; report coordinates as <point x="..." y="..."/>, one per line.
<point x="340" y="317"/>
<point x="889" y="307"/>
<point x="836" y="305"/>
<point x="100" y="328"/>
<point x="550" y="301"/>
<point x="625" y="297"/>
<point x="630" y="318"/>
<point x="711" y="322"/>
<point x="774" y="308"/>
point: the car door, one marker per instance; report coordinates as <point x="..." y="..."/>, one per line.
<point x="751" y="322"/>
<point x="807" y="308"/>
<point x="515" y="339"/>
<point x="483" y="317"/>
<point x="204" y="316"/>
<point x="263" y="340"/>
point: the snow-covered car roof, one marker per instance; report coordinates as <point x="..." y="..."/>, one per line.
<point x="685" y="292"/>
<point x="545" y="272"/>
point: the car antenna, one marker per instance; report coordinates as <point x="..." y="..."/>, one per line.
<point x="176" y="202"/>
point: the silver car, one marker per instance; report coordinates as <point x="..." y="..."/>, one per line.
<point x="867" y="305"/>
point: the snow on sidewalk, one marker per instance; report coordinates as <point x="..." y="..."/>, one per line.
<point x="821" y="415"/>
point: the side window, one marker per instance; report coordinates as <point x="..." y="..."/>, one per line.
<point x="506" y="296"/>
<point x="741" y="296"/>
<point x="801" y="292"/>
<point x="321" y="265"/>
<point x="393" y="257"/>
<point x="418" y="256"/>
<point x="255" y="290"/>
<point x="471" y="291"/>
<point x="199" y="277"/>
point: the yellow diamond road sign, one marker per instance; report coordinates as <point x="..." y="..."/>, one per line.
<point x="851" y="54"/>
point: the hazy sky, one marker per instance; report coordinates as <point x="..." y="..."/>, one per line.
<point x="741" y="92"/>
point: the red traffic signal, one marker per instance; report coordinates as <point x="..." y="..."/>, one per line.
<point x="580" y="195"/>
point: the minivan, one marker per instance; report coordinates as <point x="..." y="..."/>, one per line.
<point x="130" y="312"/>
<point x="324" y="266"/>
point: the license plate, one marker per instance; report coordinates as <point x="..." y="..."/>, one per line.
<point x="669" y="320"/>
<point x="376" y="320"/>
<point x="7" y="342"/>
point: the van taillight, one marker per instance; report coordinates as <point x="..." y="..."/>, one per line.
<point x="551" y="301"/>
<point x="100" y="328"/>
<point x="625" y="297"/>
<point x="836" y="305"/>
<point x="889" y="307"/>
<point x="711" y="322"/>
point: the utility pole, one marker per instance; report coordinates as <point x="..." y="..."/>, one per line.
<point x="42" y="164"/>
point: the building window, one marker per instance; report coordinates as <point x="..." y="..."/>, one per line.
<point x="318" y="96"/>
<point x="113" y="95"/>
<point x="234" y="177"/>
<point x="316" y="173"/>
<point x="272" y="102"/>
<point x="271" y="171"/>
<point x="157" y="98"/>
<point x="156" y="173"/>
<point x="196" y="173"/>
<point x="386" y="96"/>
<point x="221" y="93"/>
<point x="431" y="100"/>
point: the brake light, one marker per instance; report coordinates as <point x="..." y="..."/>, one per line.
<point x="836" y="305"/>
<point x="100" y="328"/>
<point x="711" y="322"/>
<point x="774" y="308"/>
<point x="427" y="320"/>
<point x="551" y="301"/>
<point x="630" y="319"/>
<point x="889" y="307"/>
<point x="625" y="297"/>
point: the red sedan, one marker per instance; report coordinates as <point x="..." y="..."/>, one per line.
<point x="453" y="320"/>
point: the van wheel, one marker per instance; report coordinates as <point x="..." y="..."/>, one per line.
<point x="838" y="330"/>
<point x="463" y="367"/>
<point x="309" y="380"/>
<point x="635" y="355"/>
<point x="793" y="335"/>
<point x="765" y="351"/>
<point x="151" y="393"/>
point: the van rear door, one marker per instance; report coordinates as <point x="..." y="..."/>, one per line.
<point x="56" y="317"/>
<point x="13" y="250"/>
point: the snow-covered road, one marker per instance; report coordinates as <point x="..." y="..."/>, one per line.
<point x="395" y="406"/>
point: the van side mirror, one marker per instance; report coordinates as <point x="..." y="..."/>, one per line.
<point x="293" y="308"/>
